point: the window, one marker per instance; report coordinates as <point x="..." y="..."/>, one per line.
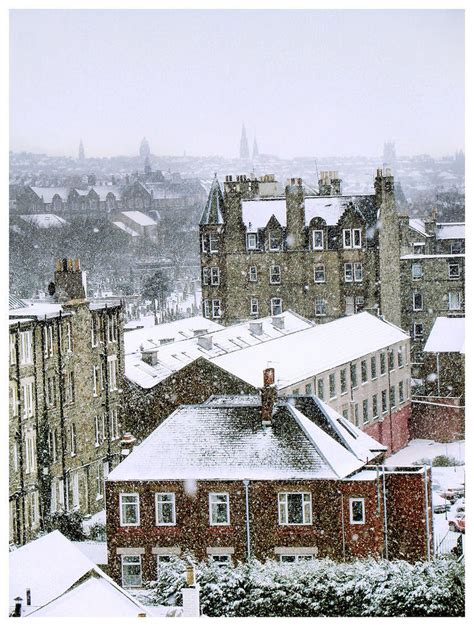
<point x="131" y="570"/>
<point x="204" y="243"/>
<point x="113" y="424"/>
<point x="391" y="360"/>
<point x="111" y="329"/>
<point x="214" y="276"/>
<point x="27" y="398"/>
<point x="320" y="307"/>
<point x="375" y="406"/>
<point x="454" y="300"/>
<point x="363" y="371"/>
<point x="30" y="456"/>
<point x="13" y="398"/>
<point x="453" y="270"/>
<point x="94" y="331"/>
<point x="216" y="309"/>
<point x="295" y="558"/>
<point x="251" y="241"/>
<point x="112" y="372"/>
<point x="205" y="308"/>
<point x="165" y="509"/>
<point x="69" y="336"/>
<point x="383" y="364"/>
<point x="275" y="275"/>
<point x="26" y="354"/>
<point x="318" y="240"/>
<point x="308" y="389"/>
<point x="70" y="389"/>
<point x="101" y="474"/>
<point x="357" y="510"/>
<point x="294" y="508"/>
<point x="418" y="248"/>
<point x="205" y="275"/>
<point x="50" y="391"/>
<point x="417" y="301"/>
<point x="348" y="272"/>
<point x="416" y="271"/>
<point x="346" y="238"/>
<point x="253" y="273"/>
<point x="359" y="303"/>
<point x="12" y="350"/>
<point x="222" y="560"/>
<point x="400" y="356"/>
<point x="353" y="375"/>
<point x="162" y="562"/>
<point x="319" y="273"/>
<point x="219" y="509"/>
<point x="393" y="401"/>
<point x="417" y="330"/>
<point x="73" y="440"/>
<point x="48" y="340"/>
<point x="97" y="431"/>
<point x="457" y="247"/>
<point x="253" y="306"/>
<point x="321" y="388"/>
<point x="365" y="410"/>
<point x="276" y="306"/>
<point x="356" y="414"/>
<point x="129" y="509"/>
<point x="332" y="385"/>
<point x="345" y="413"/>
<point x="358" y="272"/>
<point x="273" y="241"/>
<point x="213" y="243"/>
<point x="95" y="379"/>
<point x="75" y="490"/>
<point x="357" y="238"/>
<point x="373" y="367"/>
<point x="343" y="377"/>
<point x="53" y="445"/>
<point x="384" y="401"/>
<point x="401" y="394"/>
<point x="352" y="238"/>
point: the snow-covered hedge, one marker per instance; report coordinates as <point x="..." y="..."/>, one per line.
<point x="320" y="588"/>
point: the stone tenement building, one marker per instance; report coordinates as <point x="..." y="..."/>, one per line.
<point x="432" y="277"/>
<point x="322" y="256"/>
<point x="66" y="373"/>
<point x="252" y="476"/>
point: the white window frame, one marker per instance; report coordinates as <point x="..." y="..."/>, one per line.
<point x="113" y="421"/>
<point x="95" y="330"/>
<point x="351" y="511"/>
<point x="30" y="452"/>
<point x="317" y="234"/>
<point x="26" y="347"/>
<point x="320" y="307"/>
<point x="27" y="391"/>
<point x="273" y="237"/>
<point x="13" y="396"/>
<point x="206" y="309"/>
<point x="365" y="411"/>
<point x="274" y="305"/>
<point x="253" y="306"/>
<point x="75" y="490"/>
<point x="251" y="237"/>
<point x="205" y="275"/>
<point x="457" y="273"/>
<point x="384" y="394"/>
<point x="275" y="275"/>
<point x="253" y="275"/>
<point x="348" y="272"/>
<point x="373" y="367"/>
<point x="12" y="349"/>
<point x="112" y="372"/>
<point x="358" y="273"/>
<point x="295" y="558"/>
<point x="214" y="504"/>
<point x="48" y="340"/>
<point x="417" y="333"/>
<point x="320" y="270"/>
<point x="159" y="502"/>
<point x="454" y="301"/>
<point x="306" y="508"/>
<point x="97" y="431"/>
<point x="359" y="237"/>
<point x="333" y="391"/>
<point x="346" y="240"/>
<point x="213" y="243"/>
<point x="375" y="405"/>
<point x="415" y="274"/>
<point x="73" y="435"/>
<point x="69" y="336"/>
<point x="216" y="309"/>
<point x="215" y="275"/>
<point x="124" y="563"/>
<point x="417" y="308"/>
<point x="135" y="504"/>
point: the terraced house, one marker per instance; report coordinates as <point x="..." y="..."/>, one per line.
<point x="323" y="256"/>
<point x="66" y="372"/>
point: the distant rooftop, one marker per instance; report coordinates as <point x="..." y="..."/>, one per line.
<point x="447" y="335"/>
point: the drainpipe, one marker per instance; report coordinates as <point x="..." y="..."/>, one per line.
<point x="389" y="402"/>
<point x="247" y="518"/>
<point x="343" y="529"/>
<point x="427" y="516"/>
<point x="437" y="375"/>
<point x="385" y="525"/>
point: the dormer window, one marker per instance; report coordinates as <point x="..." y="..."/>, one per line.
<point x="352" y="238"/>
<point x="318" y="240"/>
<point x="274" y="241"/>
<point x="213" y="243"/>
<point x="251" y="241"/>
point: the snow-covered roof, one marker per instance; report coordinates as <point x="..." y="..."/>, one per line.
<point x="431" y="256"/>
<point x="314" y="350"/>
<point x="447" y="335"/>
<point x="48" y="193"/>
<point x="139" y="218"/>
<point x="103" y="190"/>
<point x="14" y="302"/>
<point x="418" y="225"/>
<point x="256" y="213"/>
<point x="453" y="230"/>
<point x="39" y="310"/>
<point x="97" y="596"/>
<point x="177" y="331"/>
<point x="44" y="220"/>
<point x="215" y="442"/>
<point x="96" y="551"/>
<point x="233" y="339"/>
<point x="125" y="228"/>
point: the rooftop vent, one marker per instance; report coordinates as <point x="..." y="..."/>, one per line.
<point x="166" y="340"/>
<point x="205" y="341"/>
<point x="256" y="328"/>
<point x="278" y="322"/>
<point x="150" y="356"/>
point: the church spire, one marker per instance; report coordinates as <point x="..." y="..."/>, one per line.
<point x="82" y="155"/>
<point x="244" y="146"/>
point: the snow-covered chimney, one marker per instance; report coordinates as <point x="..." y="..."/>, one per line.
<point x="205" y="341"/>
<point x="278" y="322"/>
<point x="256" y="328"/>
<point x="268" y="394"/>
<point x="150" y="356"/>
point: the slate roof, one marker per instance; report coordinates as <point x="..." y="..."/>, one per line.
<point x="212" y="213"/>
<point x="221" y="440"/>
<point x="447" y="335"/>
<point x="48" y="193"/>
<point x="453" y="230"/>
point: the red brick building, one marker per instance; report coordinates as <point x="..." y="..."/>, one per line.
<point x="240" y="477"/>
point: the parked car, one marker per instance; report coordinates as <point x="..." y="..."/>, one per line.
<point x="448" y="494"/>
<point x="458" y="524"/>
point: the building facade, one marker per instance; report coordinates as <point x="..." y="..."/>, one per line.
<point x="66" y="377"/>
<point x="322" y="256"/>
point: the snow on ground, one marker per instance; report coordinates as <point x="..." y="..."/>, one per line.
<point x="98" y="518"/>
<point x="419" y="449"/>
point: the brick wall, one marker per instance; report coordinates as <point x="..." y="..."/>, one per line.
<point x="441" y="419"/>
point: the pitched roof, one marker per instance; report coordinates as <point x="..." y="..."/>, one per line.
<point x="44" y="220"/>
<point x="212" y="213"/>
<point x="452" y="230"/>
<point x="48" y="193"/>
<point x="225" y="439"/>
<point x="447" y="335"/>
<point x="139" y="218"/>
<point x="14" y="302"/>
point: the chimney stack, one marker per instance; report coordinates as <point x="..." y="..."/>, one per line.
<point x="256" y="328"/>
<point x="269" y="395"/>
<point x="69" y="281"/>
<point x="205" y="341"/>
<point x="150" y="356"/>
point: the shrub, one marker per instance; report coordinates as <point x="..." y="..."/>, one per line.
<point x="68" y="523"/>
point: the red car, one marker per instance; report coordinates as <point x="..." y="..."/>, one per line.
<point x="458" y="524"/>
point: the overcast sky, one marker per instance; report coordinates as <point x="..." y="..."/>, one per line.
<point x="306" y="82"/>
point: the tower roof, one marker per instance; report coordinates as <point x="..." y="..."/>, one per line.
<point x="212" y="213"/>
